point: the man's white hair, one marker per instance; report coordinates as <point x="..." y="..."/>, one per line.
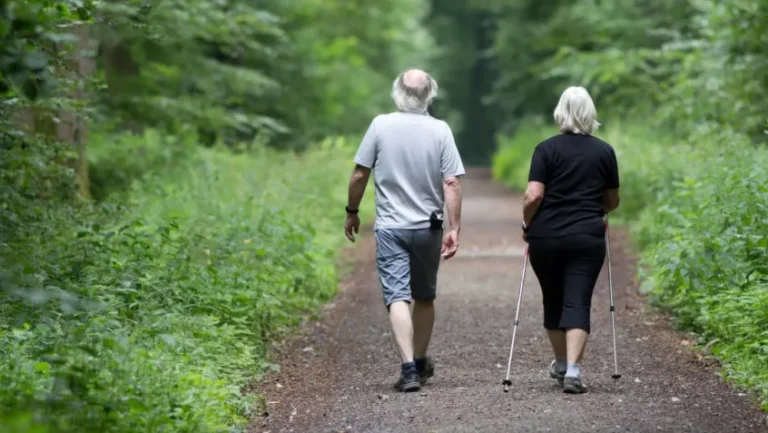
<point x="413" y="90"/>
<point x="576" y="113"/>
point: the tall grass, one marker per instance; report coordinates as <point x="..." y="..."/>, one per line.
<point x="150" y="310"/>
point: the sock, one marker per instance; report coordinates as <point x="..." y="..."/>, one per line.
<point x="421" y="363"/>
<point x="561" y="364"/>
<point x="409" y="368"/>
<point x="573" y="370"/>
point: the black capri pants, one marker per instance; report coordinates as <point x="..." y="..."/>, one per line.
<point x="567" y="269"/>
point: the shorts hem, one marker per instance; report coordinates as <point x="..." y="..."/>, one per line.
<point x="425" y="298"/>
<point x="582" y="327"/>
<point x="389" y="302"/>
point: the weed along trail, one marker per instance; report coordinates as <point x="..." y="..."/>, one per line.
<point x="336" y="374"/>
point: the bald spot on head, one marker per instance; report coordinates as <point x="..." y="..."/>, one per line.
<point x="415" y="78"/>
<point x="416" y="82"/>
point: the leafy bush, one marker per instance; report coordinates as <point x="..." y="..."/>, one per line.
<point x="706" y="244"/>
<point x="510" y="164"/>
<point x="150" y="310"/>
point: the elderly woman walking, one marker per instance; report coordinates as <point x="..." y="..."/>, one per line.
<point x="572" y="183"/>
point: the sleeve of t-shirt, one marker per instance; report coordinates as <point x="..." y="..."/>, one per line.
<point x="538" y="170"/>
<point x="366" y="153"/>
<point x="451" y="164"/>
<point x="613" y="170"/>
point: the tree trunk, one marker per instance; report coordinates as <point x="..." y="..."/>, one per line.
<point x="73" y="126"/>
<point x="122" y="73"/>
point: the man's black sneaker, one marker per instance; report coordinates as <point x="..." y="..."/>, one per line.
<point x="408" y="382"/>
<point x="426" y="369"/>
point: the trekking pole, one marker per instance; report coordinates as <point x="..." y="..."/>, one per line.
<point x="616" y="374"/>
<point x="506" y="382"/>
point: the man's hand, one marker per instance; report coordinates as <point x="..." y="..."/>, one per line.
<point x="450" y="244"/>
<point x="352" y="223"/>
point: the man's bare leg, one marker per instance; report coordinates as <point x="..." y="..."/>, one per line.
<point x="423" y="321"/>
<point x="402" y="328"/>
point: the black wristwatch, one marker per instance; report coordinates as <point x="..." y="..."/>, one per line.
<point x="350" y="211"/>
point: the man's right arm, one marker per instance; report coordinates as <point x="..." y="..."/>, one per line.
<point x="452" y="194"/>
<point x="611" y="200"/>
<point x="452" y="169"/>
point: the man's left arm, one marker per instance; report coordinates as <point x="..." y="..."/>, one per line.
<point x="365" y="159"/>
<point x="357" y="184"/>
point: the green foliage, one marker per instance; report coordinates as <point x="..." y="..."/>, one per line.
<point x="706" y="238"/>
<point x="682" y="61"/>
<point x="192" y="63"/>
<point x="26" y="28"/>
<point x="150" y="310"/>
<point x="685" y="63"/>
<point x="512" y="161"/>
<point x="235" y="70"/>
<point x="277" y="70"/>
<point x="466" y="73"/>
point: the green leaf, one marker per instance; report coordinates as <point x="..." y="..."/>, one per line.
<point x="42" y="367"/>
<point x="35" y="60"/>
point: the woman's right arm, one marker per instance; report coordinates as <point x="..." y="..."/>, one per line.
<point x="611" y="200"/>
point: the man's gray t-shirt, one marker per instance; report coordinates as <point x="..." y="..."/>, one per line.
<point x="411" y="154"/>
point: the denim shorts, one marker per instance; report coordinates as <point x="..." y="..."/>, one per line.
<point x="407" y="262"/>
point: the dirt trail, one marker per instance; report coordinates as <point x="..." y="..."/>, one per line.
<point x="337" y="374"/>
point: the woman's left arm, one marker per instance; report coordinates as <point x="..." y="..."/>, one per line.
<point x="534" y="193"/>
<point x="538" y="176"/>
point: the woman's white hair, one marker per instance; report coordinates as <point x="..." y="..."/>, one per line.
<point x="576" y="113"/>
<point x="413" y="90"/>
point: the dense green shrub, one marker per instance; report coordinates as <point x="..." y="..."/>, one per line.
<point x="511" y="162"/>
<point x="150" y="310"/>
<point x="699" y="212"/>
<point x="706" y="254"/>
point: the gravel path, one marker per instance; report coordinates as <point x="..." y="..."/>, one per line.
<point x="337" y="373"/>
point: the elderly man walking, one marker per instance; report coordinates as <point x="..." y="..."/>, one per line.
<point x="417" y="168"/>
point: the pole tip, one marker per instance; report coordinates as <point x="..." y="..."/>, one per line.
<point x="507" y="383"/>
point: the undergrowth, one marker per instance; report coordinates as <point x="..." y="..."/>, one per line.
<point x="151" y="309"/>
